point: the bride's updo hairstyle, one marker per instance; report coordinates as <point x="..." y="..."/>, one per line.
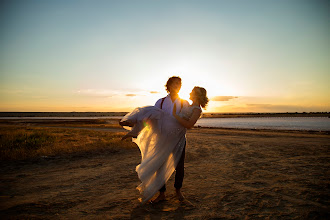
<point x="200" y="93"/>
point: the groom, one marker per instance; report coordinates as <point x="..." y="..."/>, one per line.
<point x="173" y="87"/>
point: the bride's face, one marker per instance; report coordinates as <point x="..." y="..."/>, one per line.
<point x="192" y="96"/>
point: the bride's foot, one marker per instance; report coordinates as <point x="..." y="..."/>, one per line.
<point x="126" y="123"/>
<point x="161" y="197"/>
<point x="179" y="195"/>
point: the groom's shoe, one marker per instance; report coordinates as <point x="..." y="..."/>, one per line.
<point x="179" y="195"/>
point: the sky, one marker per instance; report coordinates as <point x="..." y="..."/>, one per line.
<point x="103" y="56"/>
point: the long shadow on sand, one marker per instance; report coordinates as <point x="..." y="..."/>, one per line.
<point x="168" y="209"/>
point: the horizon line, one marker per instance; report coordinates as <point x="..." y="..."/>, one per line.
<point x="291" y="112"/>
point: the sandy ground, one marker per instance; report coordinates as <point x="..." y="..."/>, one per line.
<point x="229" y="174"/>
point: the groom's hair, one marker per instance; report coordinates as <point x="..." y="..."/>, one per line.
<point x="170" y="81"/>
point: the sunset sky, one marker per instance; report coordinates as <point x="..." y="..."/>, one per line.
<point x="86" y="55"/>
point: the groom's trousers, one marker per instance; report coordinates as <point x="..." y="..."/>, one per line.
<point x="179" y="172"/>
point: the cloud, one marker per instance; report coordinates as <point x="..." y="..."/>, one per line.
<point x="223" y="98"/>
<point x="260" y="105"/>
<point x="276" y="108"/>
<point x="113" y="93"/>
<point x="14" y="91"/>
<point x="96" y="93"/>
<point x="251" y="107"/>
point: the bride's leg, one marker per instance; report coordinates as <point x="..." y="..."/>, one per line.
<point x="128" y="135"/>
<point x="126" y="123"/>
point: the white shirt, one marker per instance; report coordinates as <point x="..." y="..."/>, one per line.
<point x="168" y="104"/>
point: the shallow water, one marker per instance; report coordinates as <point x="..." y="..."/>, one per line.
<point x="278" y="123"/>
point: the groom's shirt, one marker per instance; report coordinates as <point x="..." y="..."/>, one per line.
<point x="168" y="104"/>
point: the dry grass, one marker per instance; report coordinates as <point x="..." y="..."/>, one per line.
<point x="21" y="142"/>
<point x="88" y="123"/>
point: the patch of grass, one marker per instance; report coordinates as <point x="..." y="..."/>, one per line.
<point x="23" y="140"/>
<point x="18" y="142"/>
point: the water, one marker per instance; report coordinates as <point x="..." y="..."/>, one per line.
<point x="278" y="123"/>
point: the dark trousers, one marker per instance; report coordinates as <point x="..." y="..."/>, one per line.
<point x="179" y="172"/>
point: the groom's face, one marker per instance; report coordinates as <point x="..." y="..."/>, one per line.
<point x="175" y="86"/>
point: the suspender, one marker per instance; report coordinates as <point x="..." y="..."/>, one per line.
<point x="161" y="104"/>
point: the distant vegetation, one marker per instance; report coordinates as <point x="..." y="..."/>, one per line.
<point x="17" y="143"/>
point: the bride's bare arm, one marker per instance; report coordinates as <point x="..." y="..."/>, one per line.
<point x="188" y="123"/>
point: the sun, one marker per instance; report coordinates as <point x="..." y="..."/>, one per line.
<point x="184" y="93"/>
<point x="188" y="83"/>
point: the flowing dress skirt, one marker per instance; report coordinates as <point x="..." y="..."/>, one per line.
<point x="161" y="140"/>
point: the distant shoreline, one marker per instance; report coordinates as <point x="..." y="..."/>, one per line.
<point x="205" y="115"/>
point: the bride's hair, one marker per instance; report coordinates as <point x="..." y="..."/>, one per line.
<point x="200" y="93"/>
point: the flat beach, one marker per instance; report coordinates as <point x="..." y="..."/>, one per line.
<point x="229" y="174"/>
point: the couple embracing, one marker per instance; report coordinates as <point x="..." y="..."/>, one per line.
<point x="160" y="133"/>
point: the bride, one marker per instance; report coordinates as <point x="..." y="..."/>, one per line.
<point x="161" y="139"/>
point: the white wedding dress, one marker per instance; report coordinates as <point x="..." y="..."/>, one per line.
<point x="161" y="140"/>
